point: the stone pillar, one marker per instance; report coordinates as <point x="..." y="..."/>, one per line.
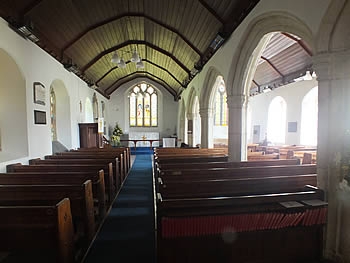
<point x="235" y="109"/>
<point x="333" y="150"/>
<point x="190" y="127"/>
<point x="206" y="127"/>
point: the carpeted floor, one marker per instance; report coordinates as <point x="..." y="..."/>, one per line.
<point x="128" y="232"/>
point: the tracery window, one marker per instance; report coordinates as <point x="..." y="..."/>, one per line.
<point x="143" y="102"/>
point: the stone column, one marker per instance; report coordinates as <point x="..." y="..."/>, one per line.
<point x="206" y="127"/>
<point x="235" y="109"/>
<point x="333" y="150"/>
<point x="190" y="128"/>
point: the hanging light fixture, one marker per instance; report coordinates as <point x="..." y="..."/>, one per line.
<point x="307" y="75"/>
<point x="140" y="64"/>
<point x="116" y="59"/>
<point x="122" y="63"/>
<point x="135" y="57"/>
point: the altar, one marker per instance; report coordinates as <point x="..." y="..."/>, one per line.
<point x="142" y="139"/>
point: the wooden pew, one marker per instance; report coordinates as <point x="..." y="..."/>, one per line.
<point x="104" y="164"/>
<point x="39" y="228"/>
<point x="243" y="228"/>
<point x="87" y="168"/>
<point x="81" y="202"/>
<point x="111" y="157"/>
<point x="203" y="165"/>
<point x="192" y="159"/>
<point x="238" y="186"/>
<point x="242" y="172"/>
<point x="63" y="178"/>
<point x="123" y="154"/>
<point x="124" y="150"/>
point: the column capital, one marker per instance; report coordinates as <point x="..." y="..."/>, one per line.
<point x="236" y="101"/>
<point x="332" y="65"/>
<point x="189" y="115"/>
<point x="206" y="112"/>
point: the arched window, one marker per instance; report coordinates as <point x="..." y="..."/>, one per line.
<point x="143" y="102"/>
<point x="95" y="107"/>
<point x="309" y="118"/>
<point x="220" y="106"/>
<point x="89" y="116"/>
<point x="53" y="115"/>
<point x="276" y="122"/>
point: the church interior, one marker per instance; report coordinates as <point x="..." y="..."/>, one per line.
<point x="175" y="131"/>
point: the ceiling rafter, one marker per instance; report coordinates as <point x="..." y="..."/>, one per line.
<point x="273" y="66"/>
<point x="237" y="16"/>
<point x="115" y="18"/>
<point x="26" y="10"/>
<point x="300" y="42"/>
<point x="145" y="60"/>
<point x="211" y="11"/>
<point x="256" y="84"/>
<point x="142" y="74"/>
<point x="134" y="42"/>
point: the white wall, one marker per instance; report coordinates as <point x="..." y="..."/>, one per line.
<point x="37" y="66"/>
<point x="118" y="110"/>
<point x="293" y="94"/>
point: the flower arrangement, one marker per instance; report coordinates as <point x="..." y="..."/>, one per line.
<point x="117" y="132"/>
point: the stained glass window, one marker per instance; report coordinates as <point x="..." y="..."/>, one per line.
<point x="143" y="103"/>
<point x="53" y="115"/>
<point x="220" y="108"/>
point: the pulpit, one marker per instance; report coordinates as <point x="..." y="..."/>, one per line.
<point x="89" y="136"/>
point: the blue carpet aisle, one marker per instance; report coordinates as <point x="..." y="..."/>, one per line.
<point x="128" y="232"/>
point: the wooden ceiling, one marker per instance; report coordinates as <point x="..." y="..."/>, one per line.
<point x="285" y="58"/>
<point x="174" y="38"/>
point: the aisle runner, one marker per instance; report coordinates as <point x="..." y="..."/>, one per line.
<point x="128" y="232"/>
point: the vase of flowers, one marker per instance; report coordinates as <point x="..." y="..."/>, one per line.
<point x="116" y="133"/>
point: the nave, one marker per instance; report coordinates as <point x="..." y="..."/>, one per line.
<point x="128" y="231"/>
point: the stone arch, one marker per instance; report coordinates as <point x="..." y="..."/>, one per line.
<point x="243" y="67"/>
<point x="334" y="27"/>
<point x="269" y="22"/>
<point x="192" y="116"/>
<point x="206" y="100"/>
<point x="191" y="98"/>
<point x="63" y="114"/>
<point x="13" y="116"/>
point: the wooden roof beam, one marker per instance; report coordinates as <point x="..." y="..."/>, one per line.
<point x="134" y="42"/>
<point x="273" y="66"/>
<point x="211" y="11"/>
<point x="137" y="74"/>
<point x="145" y="60"/>
<point x="300" y="42"/>
<point x="114" y="18"/>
